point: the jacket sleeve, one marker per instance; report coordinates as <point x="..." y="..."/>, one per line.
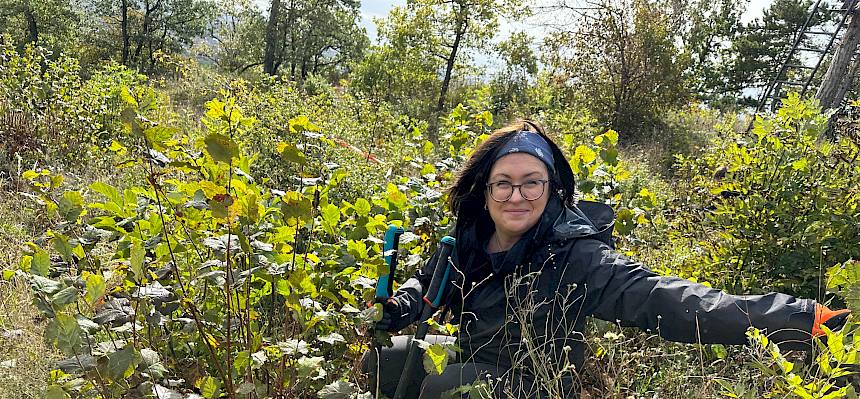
<point x="409" y="295"/>
<point x="623" y="291"/>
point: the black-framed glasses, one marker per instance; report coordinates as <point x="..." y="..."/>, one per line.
<point x="530" y="190"/>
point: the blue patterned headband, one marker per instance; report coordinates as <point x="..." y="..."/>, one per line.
<point x="530" y="143"/>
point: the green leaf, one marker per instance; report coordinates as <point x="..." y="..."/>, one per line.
<point x="221" y="148"/>
<point x="245" y="388"/>
<point x="65" y="333"/>
<point x="362" y="207"/>
<point x="291" y="153"/>
<point x="41" y="264"/>
<point x="296" y="205"/>
<point x="330" y="217"/>
<point x="210" y="387"/>
<point x="435" y="359"/>
<point x="336" y="390"/>
<point x="302" y="283"/>
<point x="357" y="249"/>
<point x="136" y="259"/>
<point x="122" y="363"/>
<point x="65" y="296"/>
<point x="71" y="205"/>
<point x="108" y="192"/>
<point x="162" y="392"/>
<point x="149" y="357"/>
<point x="86" y="324"/>
<point x="95" y="288"/>
<point x="55" y="392"/>
<point x="311" y="367"/>
<point x="158" y="135"/>
<point x="301" y="124"/>
<point x="610" y="156"/>
<point x="625" y="222"/>
<point x="45" y="285"/>
<point x="62" y="246"/>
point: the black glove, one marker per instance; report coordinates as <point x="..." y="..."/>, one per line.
<point x="395" y="314"/>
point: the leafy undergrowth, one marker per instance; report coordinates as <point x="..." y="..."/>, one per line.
<point x="232" y="255"/>
<point x="25" y="358"/>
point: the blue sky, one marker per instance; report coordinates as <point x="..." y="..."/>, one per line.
<point x="378" y="9"/>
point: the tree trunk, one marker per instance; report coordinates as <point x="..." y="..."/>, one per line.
<point x="839" y="74"/>
<point x="145" y="36"/>
<point x="271" y="38"/>
<point x="32" y="27"/>
<point x="459" y="32"/>
<point x="126" y="45"/>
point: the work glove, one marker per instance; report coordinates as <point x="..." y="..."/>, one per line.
<point x="395" y="314"/>
<point x="833" y="319"/>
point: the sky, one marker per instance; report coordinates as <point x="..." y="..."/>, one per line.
<point x="371" y="9"/>
<point x="380" y="8"/>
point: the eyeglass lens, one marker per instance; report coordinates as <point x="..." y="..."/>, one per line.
<point x="530" y="190"/>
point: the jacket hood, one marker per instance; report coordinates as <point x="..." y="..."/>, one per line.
<point x="584" y="219"/>
<point x="559" y="222"/>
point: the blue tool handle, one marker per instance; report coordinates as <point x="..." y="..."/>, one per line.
<point x="433" y="297"/>
<point x="385" y="284"/>
<point x="432" y="300"/>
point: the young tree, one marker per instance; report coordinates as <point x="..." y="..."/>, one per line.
<point x="271" y="37"/>
<point x="312" y="36"/>
<point x="146" y="28"/>
<point x="430" y="37"/>
<point x="402" y="69"/>
<point x="236" y="35"/>
<point x="761" y="45"/>
<point x="49" y="23"/>
<point x="708" y="30"/>
<point x="521" y="64"/>
<point x="623" y="58"/>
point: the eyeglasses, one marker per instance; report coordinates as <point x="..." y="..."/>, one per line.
<point x="503" y="191"/>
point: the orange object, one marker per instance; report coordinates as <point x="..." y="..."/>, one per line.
<point x="823" y="314"/>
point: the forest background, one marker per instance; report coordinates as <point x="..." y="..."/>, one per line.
<point x="194" y="192"/>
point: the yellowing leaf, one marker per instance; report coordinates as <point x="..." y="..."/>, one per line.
<point x="800" y="164"/>
<point x="41" y="263"/>
<point x="137" y="258"/>
<point x="291" y="153"/>
<point x="211" y="189"/>
<point x="584" y="154"/>
<point x="301" y="124"/>
<point x="395" y="196"/>
<point x="362" y="207"/>
<point x="30" y="175"/>
<point x="221" y="148"/>
<point x="210" y="387"/>
<point x="95" y="288"/>
<point x="435" y="359"/>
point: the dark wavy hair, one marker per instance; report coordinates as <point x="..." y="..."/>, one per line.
<point x="466" y="196"/>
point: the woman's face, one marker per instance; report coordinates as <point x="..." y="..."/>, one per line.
<point x="517" y="215"/>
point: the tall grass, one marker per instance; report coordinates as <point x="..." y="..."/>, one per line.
<point x="25" y="357"/>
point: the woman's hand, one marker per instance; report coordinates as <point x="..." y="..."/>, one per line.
<point x="393" y="315"/>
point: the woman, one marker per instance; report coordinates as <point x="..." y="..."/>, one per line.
<point x="532" y="265"/>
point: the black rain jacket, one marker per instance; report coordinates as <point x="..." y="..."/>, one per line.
<point x="528" y="311"/>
